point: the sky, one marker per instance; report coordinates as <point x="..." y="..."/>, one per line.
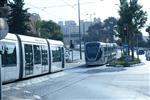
<point x="62" y="10"/>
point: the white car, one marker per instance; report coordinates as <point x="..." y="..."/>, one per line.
<point x="147" y="55"/>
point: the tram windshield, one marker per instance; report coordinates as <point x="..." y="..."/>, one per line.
<point x="91" y="50"/>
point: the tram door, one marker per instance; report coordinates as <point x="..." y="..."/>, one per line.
<point x="57" y="59"/>
<point x="44" y="53"/>
<point x="37" y="59"/>
<point x="28" y="60"/>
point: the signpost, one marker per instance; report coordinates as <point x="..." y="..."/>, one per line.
<point x="3" y="33"/>
<point x="125" y="46"/>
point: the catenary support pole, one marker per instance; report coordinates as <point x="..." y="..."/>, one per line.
<point x="79" y="28"/>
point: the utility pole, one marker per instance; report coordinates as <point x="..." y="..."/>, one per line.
<point x="3" y="33"/>
<point x="79" y="28"/>
<point x="91" y="18"/>
<point x="137" y="37"/>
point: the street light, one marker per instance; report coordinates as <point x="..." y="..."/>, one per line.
<point x="91" y="17"/>
<point x="3" y="32"/>
<point x="137" y="40"/>
<point x="79" y="28"/>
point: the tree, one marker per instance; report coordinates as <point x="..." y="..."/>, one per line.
<point x="95" y="32"/>
<point x="133" y="18"/>
<point x="3" y="2"/>
<point x="50" y="30"/>
<point x="103" y="32"/>
<point x="35" y="28"/>
<point x="18" y="18"/>
<point x="110" y="25"/>
<point x="148" y="40"/>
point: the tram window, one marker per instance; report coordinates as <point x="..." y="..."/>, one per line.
<point x="37" y="54"/>
<point x="105" y="50"/>
<point x="92" y="50"/>
<point x="9" y="57"/>
<point x="28" y="59"/>
<point x="56" y="53"/>
<point x="109" y="49"/>
<point x="44" y="55"/>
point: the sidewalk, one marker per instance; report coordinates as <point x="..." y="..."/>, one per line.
<point x="73" y="64"/>
<point x="21" y="90"/>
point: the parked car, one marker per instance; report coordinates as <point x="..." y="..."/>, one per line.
<point x="140" y="52"/>
<point x="147" y="55"/>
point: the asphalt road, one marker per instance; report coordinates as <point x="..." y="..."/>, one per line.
<point x="86" y="83"/>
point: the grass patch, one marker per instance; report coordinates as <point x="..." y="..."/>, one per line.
<point x="121" y="61"/>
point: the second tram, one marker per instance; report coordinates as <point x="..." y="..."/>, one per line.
<point x="99" y="53"/>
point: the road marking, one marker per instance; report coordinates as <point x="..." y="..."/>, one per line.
<point x="27" y="91"/>
<point x="6" y="88"/>
<point x="16" y="88"/>
<point x="37" y="80"/>
<point x="58" y="75"/>
<point x="37" y="97"/>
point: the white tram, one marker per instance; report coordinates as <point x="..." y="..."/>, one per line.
<point x="25" y="56"/>
<point x="99" y="53"/>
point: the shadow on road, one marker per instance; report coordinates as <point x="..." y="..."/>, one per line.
<point x="103" y="70"/>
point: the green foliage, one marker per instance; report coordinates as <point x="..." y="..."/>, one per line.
<point x="18" y="18"/>
<point x="50" y="30"/>
<point x="102" y="32"/>
<point x="2" y="2"/>
<point x="35" y="28"/>
<point x="133" y="17"/>
<point x="95" y="32"/>
<point x="121" y="61"/>
<point x="110" y="25"/>
<point x="148" y="40"/>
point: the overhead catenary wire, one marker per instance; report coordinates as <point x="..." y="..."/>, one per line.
<point x="66" y="4"/>
<point x="43" y="9"/>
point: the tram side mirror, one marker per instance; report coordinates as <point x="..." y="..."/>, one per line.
<point x="3" y="28"/>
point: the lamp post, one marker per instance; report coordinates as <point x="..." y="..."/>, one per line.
<point x="79" y="28"/>
<point x="3" y="33"/>
<point x="91" y="17"/>
<point x="137" y="40"/>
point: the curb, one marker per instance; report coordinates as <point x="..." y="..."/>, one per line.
<point x="74" y="64"/>
<point x="134" y="65"/>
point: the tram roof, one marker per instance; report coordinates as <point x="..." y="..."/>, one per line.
<point x="55" y="42"/>
<point x="25" y="38"/>
<point x="10" y="36"/>
<point x="103" y="43"/>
